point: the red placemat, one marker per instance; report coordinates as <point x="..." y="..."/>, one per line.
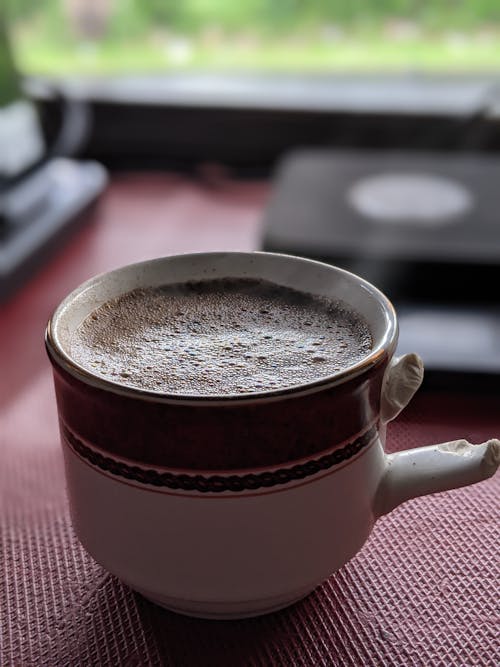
<point x="422" y="592"/>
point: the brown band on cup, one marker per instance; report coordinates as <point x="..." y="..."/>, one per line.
<point x="203" y="436"/>
<point x="219" y="483"/>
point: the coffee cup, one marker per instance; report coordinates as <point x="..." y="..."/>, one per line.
<point x="228" y="506"/>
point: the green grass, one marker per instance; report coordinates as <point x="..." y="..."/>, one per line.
<point x="354" y="51"/>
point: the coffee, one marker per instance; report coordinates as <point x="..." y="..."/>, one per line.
<point x="219" y="337"/>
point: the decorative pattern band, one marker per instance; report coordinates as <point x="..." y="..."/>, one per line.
<point x="219" y="483"/>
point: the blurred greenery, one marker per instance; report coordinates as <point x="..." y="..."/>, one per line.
<point x="9" y="88"/>
<point x="194" y="14"/>
<point x="62" y="36"/>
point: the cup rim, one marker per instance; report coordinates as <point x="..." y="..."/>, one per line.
<point x="383" y="350"/>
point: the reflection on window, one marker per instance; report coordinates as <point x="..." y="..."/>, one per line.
<point x="101" y="36"/>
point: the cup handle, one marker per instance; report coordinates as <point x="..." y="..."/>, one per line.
<point x="402" y="379"/>
<point x="424" y="470"/>
<point x="417" y="472"/>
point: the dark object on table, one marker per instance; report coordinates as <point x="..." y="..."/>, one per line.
<point x="66" y="188"/>
<point x="42" y="191"/>
<point x="423" y="227"/>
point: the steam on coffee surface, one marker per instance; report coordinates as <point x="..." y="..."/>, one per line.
<point x="219" y="337"/>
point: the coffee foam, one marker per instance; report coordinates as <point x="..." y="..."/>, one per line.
<point x="219" y="337"/>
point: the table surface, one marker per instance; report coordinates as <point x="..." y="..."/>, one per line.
<point x="422" y="591"/>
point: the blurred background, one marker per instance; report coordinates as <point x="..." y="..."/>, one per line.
<point x="389" y="73"/>
<point x="371" y="128"/>
<point x="73" y="37"/>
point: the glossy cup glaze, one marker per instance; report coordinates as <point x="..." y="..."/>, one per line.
<point x="231" y="506"/>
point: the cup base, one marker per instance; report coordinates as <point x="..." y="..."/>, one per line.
<point x="226" y="611"/>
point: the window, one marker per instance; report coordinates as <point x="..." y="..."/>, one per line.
<point x="61" y="37"/>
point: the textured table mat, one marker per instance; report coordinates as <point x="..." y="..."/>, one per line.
<point x="422" y="592"/>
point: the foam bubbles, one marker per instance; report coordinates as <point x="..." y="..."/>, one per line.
<point x="219" y="337"/>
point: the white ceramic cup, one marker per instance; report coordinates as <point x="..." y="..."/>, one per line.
<point x="234" y="506"/>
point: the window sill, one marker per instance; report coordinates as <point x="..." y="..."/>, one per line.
<point x="412" y="93"/>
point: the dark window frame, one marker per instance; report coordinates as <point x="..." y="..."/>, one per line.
<point x="248" y="122"/>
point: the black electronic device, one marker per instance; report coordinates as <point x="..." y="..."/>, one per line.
<point x="43" y="192"/>
<point x="423" y="227"/>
